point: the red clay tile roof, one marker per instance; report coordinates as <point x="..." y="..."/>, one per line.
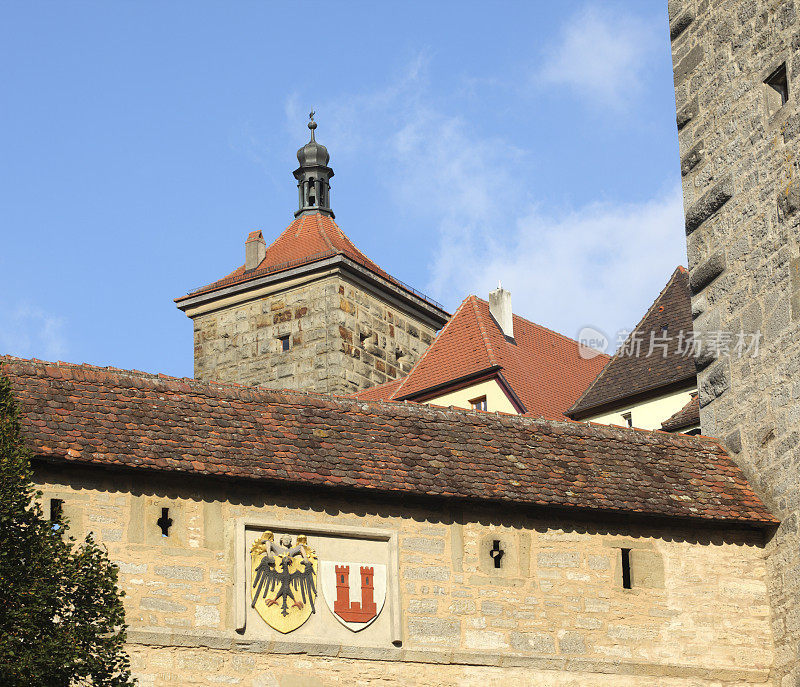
<point x="107" y="417"/>
<point x="309" y="238"/>
<point x="627" y="375"/>
<point x="542" y="368"/>
<point x="688" y="416"/>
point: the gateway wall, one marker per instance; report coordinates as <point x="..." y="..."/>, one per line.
<point x="555" y="612"/>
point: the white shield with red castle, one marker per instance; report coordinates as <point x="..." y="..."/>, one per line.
<point x="355" y="592"/>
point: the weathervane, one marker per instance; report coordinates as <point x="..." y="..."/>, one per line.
<point x="312" y="124"/>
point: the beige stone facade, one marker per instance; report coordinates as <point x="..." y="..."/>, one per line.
<point x="739" y="161"/>
<point x="343" y="337"/>
<point x="554" y="613"/>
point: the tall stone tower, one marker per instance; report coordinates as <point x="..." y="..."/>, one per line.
<point x="737" y="76"/>
<point x="310" y="311"/>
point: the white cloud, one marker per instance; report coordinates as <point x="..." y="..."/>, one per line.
<point x="600" y="265"/>
<point x="600" y="53"/>
<point x="28" y="332"/>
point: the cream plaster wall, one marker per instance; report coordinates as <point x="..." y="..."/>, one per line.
<point x="555" y="613"/>
<point x="496" y="398"/>
<point x="649" y="414"/>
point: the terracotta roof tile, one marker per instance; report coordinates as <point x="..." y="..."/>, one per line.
<point x="309" y="238"/>
<point x="543" y="368"/>
<point x="105" y="417"/>
<point x="628" y="374"/>
<point x="688" y="416"/>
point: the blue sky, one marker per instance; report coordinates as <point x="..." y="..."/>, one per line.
<point x="528" y="142"/>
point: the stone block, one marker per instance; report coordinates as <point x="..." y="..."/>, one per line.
<point x="688" y="64"/>
<point x="687" y="113"/>
<point x="709" y="203"/>
<point x="533" y="642"/>
<point x="435" y="630"/>
<point x="788" y="201"/>
<point x="179" y="572"/>
<point x="733" y="442"/>
<point x="491" y="608"/>
<point x="434" y="573"/>
<point x="206" y="616"/>
<point x="154" y="604"/>
<point x="647" y="569"/>
<point x="430" y="545"/>
<point x="571" y="643"/>
<point x="693" y="158"/>
<point x="713" y="383"/>
<point x="702" y="275"/>
<point x="423" y="606"/>
<point x="558" y="559"/>
<point x="462" y="607"/>
<point x="680" y="24"/>
<point x="484" y="640"/>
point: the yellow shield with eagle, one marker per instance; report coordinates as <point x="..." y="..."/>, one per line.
<point x="283" y="578"/>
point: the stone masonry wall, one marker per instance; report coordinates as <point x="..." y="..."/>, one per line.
<point x="741" y="185"/>
<point x="555" y="613"/>
<point x="342" y="339"/>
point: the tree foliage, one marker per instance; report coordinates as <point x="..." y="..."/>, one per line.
<point x="62" y="621"/>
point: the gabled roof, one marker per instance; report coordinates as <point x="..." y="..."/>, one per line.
<point x="688" y="416"/>
<point x="309" y="238"/>
<point x="631" y="371"/>
<point x="124" y="419"/>
<point x="543" y="369"/>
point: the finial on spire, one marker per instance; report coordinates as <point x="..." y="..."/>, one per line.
<point x="312" y="124"/>
<point x="313" y="175"/>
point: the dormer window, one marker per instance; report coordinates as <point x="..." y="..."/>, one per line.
<point x="478" y="403"/>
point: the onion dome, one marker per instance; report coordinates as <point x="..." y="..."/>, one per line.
<point x="313" y="176"/>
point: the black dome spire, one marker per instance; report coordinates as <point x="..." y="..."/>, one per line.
<point x="313" y="175"/>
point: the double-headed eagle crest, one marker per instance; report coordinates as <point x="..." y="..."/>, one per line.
<point x="284" y="580"/>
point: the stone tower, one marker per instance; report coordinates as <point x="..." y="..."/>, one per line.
<point x="736" y="66"/>
<point x="310" y="311"/>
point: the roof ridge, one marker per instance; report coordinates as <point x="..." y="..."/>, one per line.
<point x="602" y="372"/>
<point x="430" y="348"/>
<point x="484" y="333"/>
<point x="321" y="231"/>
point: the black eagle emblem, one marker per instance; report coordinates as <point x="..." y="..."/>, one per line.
<point x="290" y="585"/>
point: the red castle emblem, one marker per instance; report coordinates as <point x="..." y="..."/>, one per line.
<point x="355" y="608"/>
<point x="353" y="611"/>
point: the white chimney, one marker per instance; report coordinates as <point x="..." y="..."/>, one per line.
<point x="255" y="249"/>
<point x="500" y="308"/>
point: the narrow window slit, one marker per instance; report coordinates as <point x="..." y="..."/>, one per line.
<point x="56" y="509"/>
<point x="164" y="522"/>
<point x="496" y="553"/>
<point x="626" y="568"/>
